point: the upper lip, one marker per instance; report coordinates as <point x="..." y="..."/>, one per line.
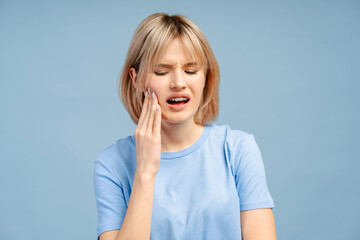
<point x="178" y="95"/>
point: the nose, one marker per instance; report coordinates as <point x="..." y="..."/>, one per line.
<point x="178" y="80"/>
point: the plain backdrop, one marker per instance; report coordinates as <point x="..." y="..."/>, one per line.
<point x="289" y="75"/>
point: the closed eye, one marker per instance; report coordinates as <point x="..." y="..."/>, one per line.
<point x="190" y="72"/>
<point x="160" y="73"/>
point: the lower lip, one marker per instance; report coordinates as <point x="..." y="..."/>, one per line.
<point x="177" y="107"/>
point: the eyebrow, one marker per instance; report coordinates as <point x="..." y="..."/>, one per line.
<point x="172" y="65"/>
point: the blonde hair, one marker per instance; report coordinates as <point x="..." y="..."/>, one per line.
<point x="149" y="42"/>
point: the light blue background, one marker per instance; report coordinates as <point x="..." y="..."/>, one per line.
<point x="289" y="75"/>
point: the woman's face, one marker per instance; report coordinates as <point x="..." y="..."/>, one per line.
<point x="178" y="83"/>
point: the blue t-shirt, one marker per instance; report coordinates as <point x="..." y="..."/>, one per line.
<point x="199" y="191"/>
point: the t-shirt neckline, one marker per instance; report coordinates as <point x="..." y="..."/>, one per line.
<point x="192" y="148"/>
<point x="186" y="151"/>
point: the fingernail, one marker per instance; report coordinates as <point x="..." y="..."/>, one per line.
<point x="148" y="90"/>
<point x="157" y="106"/>
<point x="146" y="94"/>
<point x="153" y="94"/>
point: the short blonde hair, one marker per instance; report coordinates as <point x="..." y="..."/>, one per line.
<point x="149" y="42"/>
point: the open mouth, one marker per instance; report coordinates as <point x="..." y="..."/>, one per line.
<point x="175" y="101"/>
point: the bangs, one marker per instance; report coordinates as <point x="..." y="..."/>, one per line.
<point x="149" y="43"/>
<point x="188" y="38"/>
<point x="195" y="49"/>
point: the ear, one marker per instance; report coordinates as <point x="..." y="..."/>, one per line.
<point x="133" y="75"/>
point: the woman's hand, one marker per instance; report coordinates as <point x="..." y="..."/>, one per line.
<point x="148" y="137"/>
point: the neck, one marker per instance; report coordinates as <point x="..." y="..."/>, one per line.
<point x="178" y="136"/>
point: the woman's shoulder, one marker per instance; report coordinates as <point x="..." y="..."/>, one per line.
<point x="228" y="134"/>
<point x="236" y="143"/>
<point x="120" y="151"/>
<point x="232" y="139"/>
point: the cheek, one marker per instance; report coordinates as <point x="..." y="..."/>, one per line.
<point x="155" y="87"/>
<point x="202" y="79"/>
<point x="152" y="85"/>
<point x="201" y="83"/>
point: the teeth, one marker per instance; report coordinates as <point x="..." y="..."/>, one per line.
<point x="178" y="99"/>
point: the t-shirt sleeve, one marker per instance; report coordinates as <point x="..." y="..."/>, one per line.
<point x="250" y="177"/>
<point x="110" y="201"/>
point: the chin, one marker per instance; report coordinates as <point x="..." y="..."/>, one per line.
<point x="177" y="119"/>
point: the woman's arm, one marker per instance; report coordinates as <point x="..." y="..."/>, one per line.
<point x="137" y="221"/>
<point x="258" y="224"/>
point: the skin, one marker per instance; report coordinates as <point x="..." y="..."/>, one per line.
<point x="137" y="221"/>
<point x="162" y="129"/>
<point x="178" y="129"/>
<point x="258" y="224"/>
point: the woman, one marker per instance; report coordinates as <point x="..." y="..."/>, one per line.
<point x="179" y="176"/>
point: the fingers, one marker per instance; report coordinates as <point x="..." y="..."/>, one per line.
<point x="144" y="110"/>
<point x="150" y="117"/>
<point x="152" y="113"/>
<point x="157" y="121"/>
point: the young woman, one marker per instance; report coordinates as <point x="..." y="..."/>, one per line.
<point x="180" y="176"/>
